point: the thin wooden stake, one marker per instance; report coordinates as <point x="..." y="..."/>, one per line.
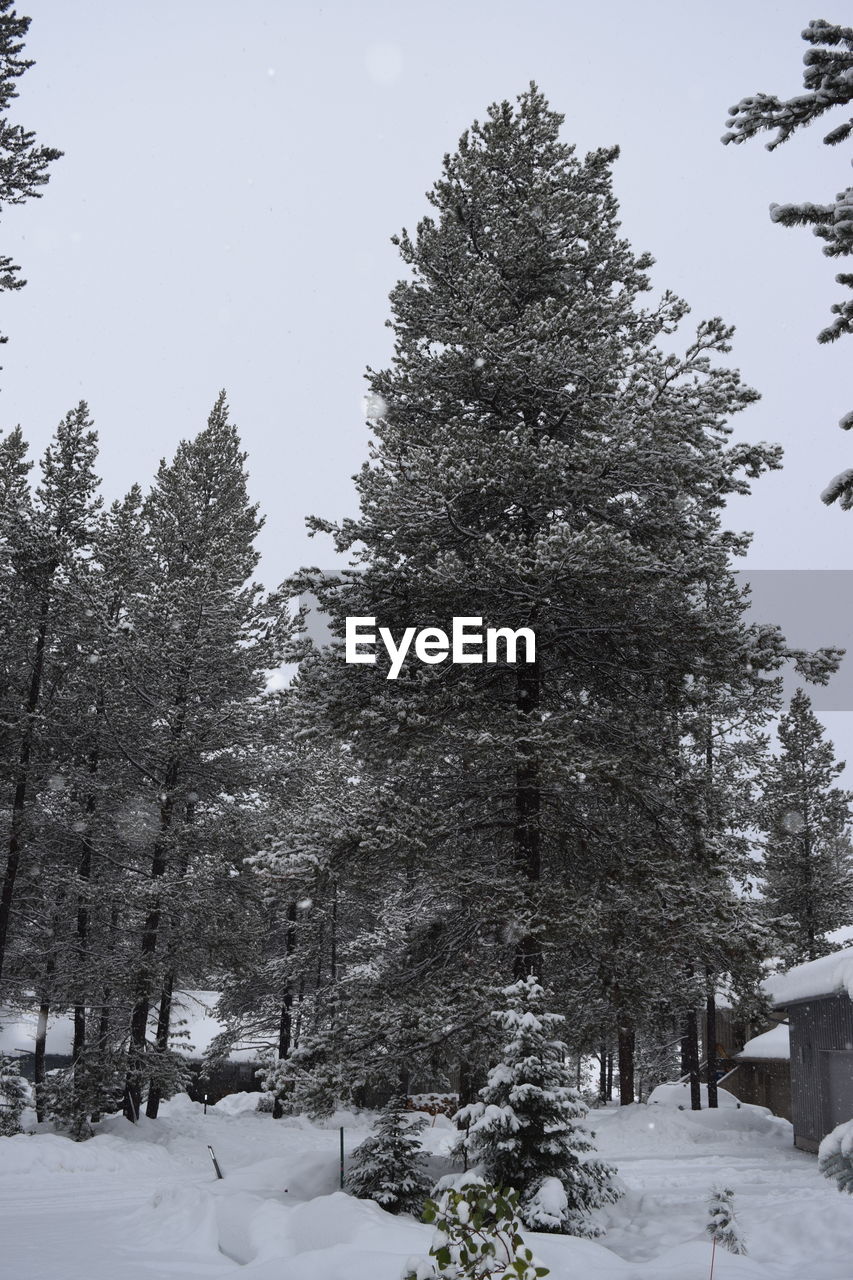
<point x="342" y="1157"/>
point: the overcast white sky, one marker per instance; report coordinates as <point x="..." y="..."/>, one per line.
<point x="233" y="173"/>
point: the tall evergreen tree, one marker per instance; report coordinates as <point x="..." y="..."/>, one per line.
<point x="47" y="541"/>
<point x="198" y="643"/>
<point x="808" y="857"/>
<point x="538" y="462"/>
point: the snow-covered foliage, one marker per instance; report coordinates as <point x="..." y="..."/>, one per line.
<point x="723" y="1226"/>
<point x="92" y="1087"/>
<point x="13" y="1096"/>
<point x="478" y="1236"/>
<point x="808" y="861"/>
<point x="835" y="1156"/>
<point x="389" y="1166"/>
<point x="525" y="1130"/>
<point x="828" y="84"/>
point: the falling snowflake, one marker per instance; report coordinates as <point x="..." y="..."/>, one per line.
<point x="374" y="405"/>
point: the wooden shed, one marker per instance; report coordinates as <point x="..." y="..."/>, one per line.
<point x="762" y="1071"/>
<point x="818" y="999"/>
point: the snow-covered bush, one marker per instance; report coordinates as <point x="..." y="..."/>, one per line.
<point x="389" y="1166"/>
<point x="835" y="1156"/>
<point x="525" y="1132"/>
<point x="75" y="1094"/>
<point x="723" y="1225"/>
<point x="13" y="1096"/>
<point x="313" y="1081"/>
<point x="478" y="1237"/>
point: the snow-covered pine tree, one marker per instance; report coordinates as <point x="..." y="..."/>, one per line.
<point x="198" y="643"/>
<point x="389" y="1166"/>
<point x="525" y="1131"/>
<point x="827" y="84"/>
<point x="808" y="859"/>
<point x="13" y="1096"/>
<point x="538" y="462"/>
<point x="723" y="1226"/>
<point x="46" y="542"/>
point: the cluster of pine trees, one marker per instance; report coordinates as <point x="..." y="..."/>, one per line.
<point x="134" y="650"/>
<point x="363" y="865"/>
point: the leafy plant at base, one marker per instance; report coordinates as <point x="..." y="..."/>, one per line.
<point x="478" y="1236"/>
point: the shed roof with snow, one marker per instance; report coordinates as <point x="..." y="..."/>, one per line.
<point x="773" y="1045"/>
<point x="818" y="998"/>
<point x="827" y="976"/>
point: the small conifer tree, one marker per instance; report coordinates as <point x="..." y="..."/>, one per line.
<point x="389" y="1166"/>
<point x="723" y="1226"/>
<point x="524" y="1133"/>
<point x="13" y="1096"/>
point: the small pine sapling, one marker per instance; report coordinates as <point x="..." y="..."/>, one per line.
<point x="389" y="1166"/>
<point x="723" y="1227"/>
<point x="478" y="1237"/>
<point x="13" y="1096"/>
<point x="525" y="1132"/>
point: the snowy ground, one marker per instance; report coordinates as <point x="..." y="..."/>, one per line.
<point x="144" y="1204"/>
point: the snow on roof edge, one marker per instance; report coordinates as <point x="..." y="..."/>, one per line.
<point x="774" y="1044"/>
<point x="827" y="976"/>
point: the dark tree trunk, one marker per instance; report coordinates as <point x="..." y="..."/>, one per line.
<point x="602" y="1075"/>
<point x="690" y="1050"/>
<point x="528" y="856"/>
<point x="150" y="932"/>
<point x="610" y="1075"/>
<point x="39" y="1063"/>
<point x="467" y="1084"/>
<point x="626" y="1063"/>
<point x="84" y="871"/>
<point x="711" y="1046"/>
<point x="106" y="996"/>
<point x="164" y="1019"/>
<point x="21" y="793"/>
<point x="285" y="1021"/>
<point x="103" y="1037"/>
<point x="142" y="1007"/>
